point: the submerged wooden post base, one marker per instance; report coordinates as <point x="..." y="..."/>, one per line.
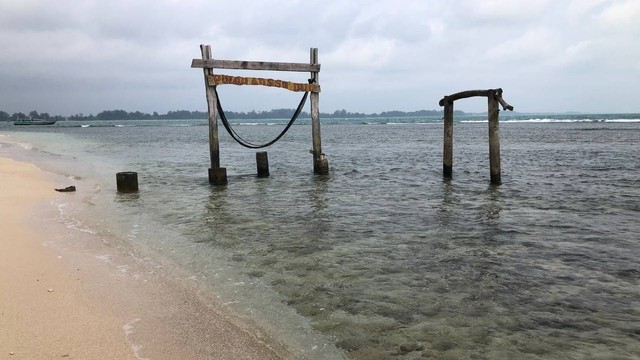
<point x="127" y="182"/>
<point x="321" y="166"/>
<point x="218" y="176"/>
<point x="262" y="161"/>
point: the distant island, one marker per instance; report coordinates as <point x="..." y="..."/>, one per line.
<point x="186" y="114"/>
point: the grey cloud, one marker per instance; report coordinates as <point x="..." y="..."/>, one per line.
<point x="375" y="55"/>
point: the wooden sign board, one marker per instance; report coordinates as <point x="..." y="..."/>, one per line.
<point x="217" y="79"/>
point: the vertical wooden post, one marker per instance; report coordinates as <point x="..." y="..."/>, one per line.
<point x="262" y="162"/>
<point x="217" y="175"/>
<point x="494" y="139"/>
<point x="320" y="162"/>
<point x="447" y="151"/>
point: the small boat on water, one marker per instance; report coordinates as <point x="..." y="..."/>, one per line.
<point x="32" y="121"/>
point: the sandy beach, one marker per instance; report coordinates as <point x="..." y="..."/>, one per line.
<point x="64" y="295"/>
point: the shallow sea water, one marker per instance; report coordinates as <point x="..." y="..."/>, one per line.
<point x="382" y="258"/>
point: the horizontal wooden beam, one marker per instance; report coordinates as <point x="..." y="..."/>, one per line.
<point x="254" y="65"/>
<point x="464" y="95"/>
<point x="496" y="93"/>
<point x="217" y="79"/>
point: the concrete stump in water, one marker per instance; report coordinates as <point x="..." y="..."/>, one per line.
<point x="127" y="182"/>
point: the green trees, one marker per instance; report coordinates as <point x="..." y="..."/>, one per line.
<point x="35" y="115"/>
<point x="113" y="115"/>
<point x="188" y="115"/>
<point x="18" y="115"/>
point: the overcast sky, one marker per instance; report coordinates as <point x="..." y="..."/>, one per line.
<point x="67" y="57"/>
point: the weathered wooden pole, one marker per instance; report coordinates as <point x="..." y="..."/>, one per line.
<point x="262" y="162"/>
<point x="217" y="175"/>
<point x="494" y="137"/>
<point x="320" y="162"/>
<point x="127" y="182"/>
<point x="447" y="151"/>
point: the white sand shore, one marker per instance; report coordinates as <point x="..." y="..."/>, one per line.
<point x="62" y="301"/>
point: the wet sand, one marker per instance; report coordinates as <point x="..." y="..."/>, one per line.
<point x="67" y="294"/>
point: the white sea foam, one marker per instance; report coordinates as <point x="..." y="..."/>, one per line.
<point x="72" y="223"/>
<point x="103" y="258"/>
<point x="622" y="120"/>
<point x="555" y="120"/>
<point x="133" y="233"/>
<point x="123" y="268"/>
<point x="128" y="329"/>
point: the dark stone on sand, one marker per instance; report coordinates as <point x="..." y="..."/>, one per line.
<point x="67" y="189"/>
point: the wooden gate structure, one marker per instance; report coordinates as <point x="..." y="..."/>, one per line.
<point x="217" y="174"/>
<point x="494" y="97"/>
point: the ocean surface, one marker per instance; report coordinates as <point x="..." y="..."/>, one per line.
<point x="382" y="258"/>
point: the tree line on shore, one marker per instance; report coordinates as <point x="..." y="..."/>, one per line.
<point x="186" y="114"/>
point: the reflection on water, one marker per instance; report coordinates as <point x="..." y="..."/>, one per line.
<point x="127" y="197"/>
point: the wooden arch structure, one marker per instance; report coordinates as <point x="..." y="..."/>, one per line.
<point x="217" y="174"/>
<point x="494" y="97"/>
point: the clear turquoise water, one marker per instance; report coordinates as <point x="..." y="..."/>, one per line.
<point x="382" y="258"/>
